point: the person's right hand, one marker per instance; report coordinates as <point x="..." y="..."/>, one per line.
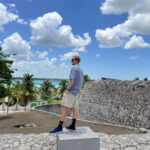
<point x="67" y="91"/>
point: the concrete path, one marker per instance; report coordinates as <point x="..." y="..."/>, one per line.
<point x="46" y="141"/>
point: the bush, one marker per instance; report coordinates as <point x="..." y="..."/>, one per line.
<point x="56" y="98"/>
<point x="137" y="78"/>
<point x="145" y="79"/>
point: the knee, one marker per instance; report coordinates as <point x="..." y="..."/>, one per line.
<point x="64" y="108"/>
<point x="74" y="109"/>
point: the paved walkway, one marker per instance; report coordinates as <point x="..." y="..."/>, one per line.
<point x="46" y="141"/>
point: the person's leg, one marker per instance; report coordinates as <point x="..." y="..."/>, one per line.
<point x="74" y="110"/>
<point x="66" y="102"/>
<point x="74" y="116"/>
<point x="63" y="113"/>
<point x="63" y="116"/>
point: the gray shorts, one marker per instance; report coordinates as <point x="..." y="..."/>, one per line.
<point x="69" y="100"/>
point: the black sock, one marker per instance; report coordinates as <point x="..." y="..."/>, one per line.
<point x="60" y="124"/>
<point x="73" y="122"/>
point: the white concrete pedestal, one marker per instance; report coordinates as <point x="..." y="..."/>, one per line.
<point x="83" y="138"/>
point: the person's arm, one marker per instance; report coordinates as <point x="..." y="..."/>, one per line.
<point x="71" y="81"/>
<point x="71" y="78"/>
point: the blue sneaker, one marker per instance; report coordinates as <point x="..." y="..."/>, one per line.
<point x="71" y="127"/>
<point x="56" y="130"/>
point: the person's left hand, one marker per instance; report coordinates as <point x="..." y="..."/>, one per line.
<point x="67" y="92"/>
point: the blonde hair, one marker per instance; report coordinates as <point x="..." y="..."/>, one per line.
<point x="77" y="57"/>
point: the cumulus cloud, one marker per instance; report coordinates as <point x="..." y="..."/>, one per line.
<point x="136" y="42"/>
<point x="15" y="44"/>
<point x="80" y="49"/>
<point x="46" y="68"/>
<point x="112" y="37"/>
<point x="21" y="21"/>
<point x="48" y="30"/>
<point x="119" y="6"/>
<point x="42" y="54"/>
<point x="6" y="16"/>
<point x="119" y="34"/>
<point x="67" y="56"/>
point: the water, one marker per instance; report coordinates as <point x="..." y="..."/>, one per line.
<point x="37" y="83"/>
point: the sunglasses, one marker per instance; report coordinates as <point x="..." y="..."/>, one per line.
<point x="73" y="59"/>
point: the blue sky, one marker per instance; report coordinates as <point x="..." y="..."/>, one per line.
<point x="111" y="36"/>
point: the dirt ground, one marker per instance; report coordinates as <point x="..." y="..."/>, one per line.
<point x="46" y="122"/>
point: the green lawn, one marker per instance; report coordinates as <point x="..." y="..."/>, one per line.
<point x="56" y="101"/>
<point x="50" y="101"/>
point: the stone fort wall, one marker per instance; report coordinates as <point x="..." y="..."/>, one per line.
<point x="119" y="102"/>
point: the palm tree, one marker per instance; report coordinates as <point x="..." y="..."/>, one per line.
<point x="46" y="89"/>
<point x="17" y="92"/>
<point x="63" y="85"/>
<point x="28" y="88"/>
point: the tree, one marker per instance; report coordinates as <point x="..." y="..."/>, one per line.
<point x="63" y="85"/>
<point x="87" y="78"/>
<point x="137" y="78"/>
<point x="46" y="89"/>
<point x="17" y="92"/>
<point x="28" y="88"/>
<point x="145" y="79"/>
<point x="5" y="74"/>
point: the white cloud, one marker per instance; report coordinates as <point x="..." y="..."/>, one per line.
<point x="137" y="22"/>
<point x="111" y="37"/>
<point x="134" y="57"/>
<point x="48" y="30"/>
<point x="97" y="55"/>
<point x="67" y="56"/>
<point x="46" y="68"/>
<point x="15" y="44"/>
<point x="136" y="42"/>
<point x="12" y="5"/>
<point x="80" y="49"/>
<point x="21" y="21"/>
<point x="6" y="16"/>
<point x="122" y="6"/>
<point x="42" y="54"/>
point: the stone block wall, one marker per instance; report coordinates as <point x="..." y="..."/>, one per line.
<point x="119" y="102"/>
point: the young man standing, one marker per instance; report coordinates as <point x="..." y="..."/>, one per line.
<point x="76" y="79"/>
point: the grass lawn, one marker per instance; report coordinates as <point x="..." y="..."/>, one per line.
<point x="56" y="101"/>
<point x="50" y="101"/>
